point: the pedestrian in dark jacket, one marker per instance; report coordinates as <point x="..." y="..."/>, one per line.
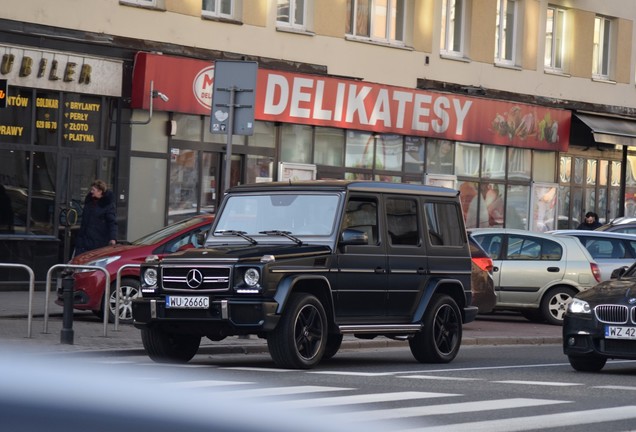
<point x="590" y="223"/>
<point x="99" y="219"/>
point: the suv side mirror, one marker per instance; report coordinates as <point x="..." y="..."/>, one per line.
<point x="201" y="236"/>
<point x="618" y="273"/>
<point x="353" y="237"/>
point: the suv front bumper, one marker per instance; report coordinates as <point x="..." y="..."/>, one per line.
<point x="242" y="315"/>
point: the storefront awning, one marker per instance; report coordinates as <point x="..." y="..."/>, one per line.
<point x="610" y="130"/>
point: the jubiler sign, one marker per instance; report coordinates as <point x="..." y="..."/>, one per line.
<point x="349" y="104"/>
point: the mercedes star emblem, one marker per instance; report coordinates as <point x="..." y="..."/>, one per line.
<point x="194" y="278"/>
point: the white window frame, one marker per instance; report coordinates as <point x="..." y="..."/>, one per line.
<point x="150" y="4"/>
<point x="453" y="32"/>
<point x="506" y="32"/>
<point x="377" y="9"/>
<point x="216" y="13"/>
<point x="602" y="48"/>
<point x="554" y="58"/>
<point x="290" y="22"/>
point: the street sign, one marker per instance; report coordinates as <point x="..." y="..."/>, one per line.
<point x="4" y="88"/>
<point x="233" y="97"/>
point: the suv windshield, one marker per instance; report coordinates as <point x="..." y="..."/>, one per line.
<point x="296" y="214"/>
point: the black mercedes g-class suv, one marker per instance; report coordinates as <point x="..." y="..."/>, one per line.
<point x="303" y="263"/>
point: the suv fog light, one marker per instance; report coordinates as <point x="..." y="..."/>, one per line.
<point x="251" y="277"/>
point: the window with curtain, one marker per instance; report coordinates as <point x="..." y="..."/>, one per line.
<point x="493" y="164"/>
<point x="292" y="13"/>
<point x="380" y="20"/>
<point x="554" y="38"/>
<point x="453" y="12"/>
<point x="505" y="33"/>
<point x="467" y="160"/>
<point x="218" y="8"/>
<point x="601" y="47"/>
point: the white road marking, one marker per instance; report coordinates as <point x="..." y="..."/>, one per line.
<point x="204" y="383"/>
<point x="548" y="421"/>
<point x="366" y="374"/>
<point x="615" y="387"/>
<point x="257" y="369"/>
<point x="283" y="391"/>
<point x="363" y="398"/>
<point x="540" y="383"/>
<point x="430" y="377"/>
<point x="454" y="408"/>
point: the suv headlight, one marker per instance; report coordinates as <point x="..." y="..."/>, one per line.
<point x="150" y="277"/>
<point x="578" y="306"/>
<point x="251" y="277"/>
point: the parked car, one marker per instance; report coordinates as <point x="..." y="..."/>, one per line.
<point x="537" y="274"/>
<point x="610" y="250"/>
<point x="625" y="225"/>
<point x="90" y="284"/>
<point x="482" y="283"/>
<point x="304" y="263"/>
<point x="600" y="323"/>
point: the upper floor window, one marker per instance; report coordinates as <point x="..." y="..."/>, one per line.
<point x="601" y="47"/>
<point x="218" y="8"/>
<point x="554" y="38"/>
<point x="505" y="37"/>
<point x="292" y="13"/>
<point x="154" y="4"/>
<point x="379" y="20"/>
<point x="453" y="12"/>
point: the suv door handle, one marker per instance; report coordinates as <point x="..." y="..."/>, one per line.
<point x="380" y="270"/>
<point x="422" y="271"/>
<point x="554" y="269"/>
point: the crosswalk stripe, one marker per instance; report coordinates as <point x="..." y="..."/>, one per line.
<point x="539" y="383"/>
<point x="363" y="398"/>
<point x="454" y="408"/>
<point x="441" y="378"/>
<point x="364" y="374"/>
<point x="204" y="383"/>
<point x="615" y="387"/>
<point x="548" y="421"/>
<point x="283" y="391"/>
<point x="258" y="369"/>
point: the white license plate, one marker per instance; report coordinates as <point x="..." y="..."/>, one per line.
<point x="614" y="332"/>
<point x="189" y="302"/>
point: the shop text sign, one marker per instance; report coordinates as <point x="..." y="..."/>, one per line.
<point x="350" y="104"/>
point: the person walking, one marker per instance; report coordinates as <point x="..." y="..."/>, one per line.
<point x="99" y="219"/>
<point x="590" y="223"/>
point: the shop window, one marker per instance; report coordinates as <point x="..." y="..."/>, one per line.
<point x="153" y="4"/>
<point x="295" y="143"/>
<point x="493" y="164"/>
<point x="544" y="166"/>
<point x="603" y="172"/>
<point x="227" y="9"/>
<point x="517" y="206"/>
<point x="439" y="156"/>
<point x="188" y="127"/>
<point x="47" y="108"/>
<point x="493" y="196"/>
<point x="555" y="38"/>
<point x="219" y="138"/>
<point x="378" y="20"/>
<point x="294" y="14"/>
<point x="184" y="175"/>
<point x="519" y="164"/>
<point x="590" y="172"/>
<point x="601" y="48"/>
<point x="259" y="169"/>
<point x="81" y="121"/>
<point x="470" y="199"/>
<point x="565" y="169"/>
<point x="388" y="152"/>
<point x="453" y="22"/>
<point x="579" y="165"/>
<point x="413" y="155"/>
<point x="359" y="150"/>
<point x="616" y="173"/>
<point x="566" y="219"/>
<point x="506" y="31"/>
<point x="264" y="135"/>
<point x="467" y="160"/>
<point x="329" y="146"/>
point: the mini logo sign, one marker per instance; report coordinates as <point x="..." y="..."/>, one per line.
<point x="203" y="85"/>
<point x="4" y="86"/>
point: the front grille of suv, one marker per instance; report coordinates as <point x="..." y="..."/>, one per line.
<point x="199" y="278"/>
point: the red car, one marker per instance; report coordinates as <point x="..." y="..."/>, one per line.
<point x="90" y="284"/>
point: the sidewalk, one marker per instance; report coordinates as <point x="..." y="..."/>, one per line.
<point x="88" y="331"/>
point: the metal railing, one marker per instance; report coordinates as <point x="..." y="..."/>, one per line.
<point x="75" y="266"/>
<point x="31" y="291"/>
<point x="118" y="291"/>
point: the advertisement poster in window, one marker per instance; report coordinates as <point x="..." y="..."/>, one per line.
<point x="295" y="171"/>
<point x="544" y="200"/>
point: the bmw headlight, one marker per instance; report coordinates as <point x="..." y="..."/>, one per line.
<point x="251" y="277"/>
<point x="150" y="277"/>
<point x="578" y="306"/>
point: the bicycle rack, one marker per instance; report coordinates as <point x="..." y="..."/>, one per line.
<point x="117" y="291"/>
<point x="75" y="266"/>
<point x="31" y="291"/>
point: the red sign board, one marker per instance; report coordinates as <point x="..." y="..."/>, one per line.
<point x="349" y="104"/>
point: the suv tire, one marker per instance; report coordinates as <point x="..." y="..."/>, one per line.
<point x="300" y="338"/>
<point x="164" y="347"/>
<point x="441" y="336"/>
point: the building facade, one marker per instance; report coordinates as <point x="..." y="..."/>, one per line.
<point x="527" y="107"/>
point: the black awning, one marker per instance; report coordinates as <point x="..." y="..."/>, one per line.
<point x="609" y="130"/>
